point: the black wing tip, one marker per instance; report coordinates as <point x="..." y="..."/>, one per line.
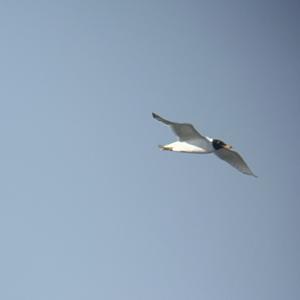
<point x="154" y="115"/>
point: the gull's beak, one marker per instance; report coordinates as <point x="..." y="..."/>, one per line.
<point x="227" y="146"/>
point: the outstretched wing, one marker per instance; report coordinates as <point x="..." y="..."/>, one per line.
<point x="184" y="131"/>
<point x="235" y="160"/>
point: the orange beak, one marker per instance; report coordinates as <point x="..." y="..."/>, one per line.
<point x="227" y="146"/>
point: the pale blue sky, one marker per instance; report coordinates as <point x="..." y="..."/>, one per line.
<point x="90" y="208"/>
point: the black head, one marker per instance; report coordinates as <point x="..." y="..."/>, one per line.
<point x="218" y="144"/>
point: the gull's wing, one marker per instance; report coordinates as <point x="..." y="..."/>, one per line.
<point x="234" y="159"/>
<point x="184" y="131"/>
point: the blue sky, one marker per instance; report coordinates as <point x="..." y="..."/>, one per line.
<point x="90" y="208"/>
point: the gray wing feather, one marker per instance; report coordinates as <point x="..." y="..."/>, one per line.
<point x="235" y="160"/>
<point x="183" y="131"/>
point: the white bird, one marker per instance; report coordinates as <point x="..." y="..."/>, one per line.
<point x="191" y="141"/>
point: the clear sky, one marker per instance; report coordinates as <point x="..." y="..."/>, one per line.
<point x="89" y="206"/>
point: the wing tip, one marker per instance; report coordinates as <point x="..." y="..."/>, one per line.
<point x="250" y="173"/>
<point x="160" y="119"/>
<point x="154" y="115"/>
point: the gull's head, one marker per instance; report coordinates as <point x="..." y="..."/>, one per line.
<point x="218" y="144"/>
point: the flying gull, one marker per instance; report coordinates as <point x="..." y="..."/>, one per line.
<point x="191" y="141"/>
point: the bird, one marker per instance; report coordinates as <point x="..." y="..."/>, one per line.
<point x="191" y="141"/>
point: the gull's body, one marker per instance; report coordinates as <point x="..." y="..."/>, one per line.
<point x="200" y="147"/>
<point x="191" y="141"/>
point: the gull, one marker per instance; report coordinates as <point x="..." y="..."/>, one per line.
<point x="191" y="141"/>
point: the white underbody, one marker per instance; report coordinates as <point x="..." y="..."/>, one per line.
<point x="196" y="146"/>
